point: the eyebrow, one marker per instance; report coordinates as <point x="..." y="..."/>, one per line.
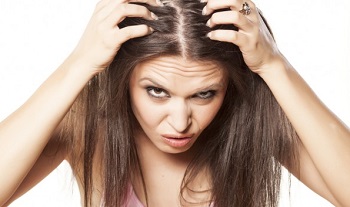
<point x="205" y="88"/>
<point x="152" y="81"/>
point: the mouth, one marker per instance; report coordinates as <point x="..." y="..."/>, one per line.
<point x="177" y="141"/>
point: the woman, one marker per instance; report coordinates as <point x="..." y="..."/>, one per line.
<point x="179" y="117"/>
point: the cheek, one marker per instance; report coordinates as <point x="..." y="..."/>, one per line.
<point x="206" y="114"/>
<point x="147" y="114"/>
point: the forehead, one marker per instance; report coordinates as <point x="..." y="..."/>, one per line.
<point x="178" y="67"/>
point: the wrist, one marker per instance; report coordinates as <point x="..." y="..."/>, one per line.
<point x="275" y="69"/>
<point x="78" y="67"/>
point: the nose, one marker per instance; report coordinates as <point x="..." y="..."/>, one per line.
<point x="180" y="116"/>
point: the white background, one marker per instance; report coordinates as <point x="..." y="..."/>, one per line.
<point x="37" y="35"/>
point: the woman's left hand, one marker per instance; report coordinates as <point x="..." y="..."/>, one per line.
<point x="253" y="37"/>
<point x="319" y="130"/>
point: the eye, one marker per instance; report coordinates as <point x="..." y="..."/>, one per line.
<point x="157" y="92"/>
<point x="206" y="94"/>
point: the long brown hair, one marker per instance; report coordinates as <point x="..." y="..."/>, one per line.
<point x="242" y="148"/>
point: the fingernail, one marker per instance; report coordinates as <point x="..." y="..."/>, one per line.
<point x="208" y="23"/>
<point x="155" y="17"/>
<point x="151" y="30"/>
<point x="209" y="35"/>
<point x="204" y="1"/>
<point x="204" y="12"/>
<point x="159" y="3"/>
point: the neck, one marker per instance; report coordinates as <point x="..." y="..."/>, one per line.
<point x="161" y="171"/>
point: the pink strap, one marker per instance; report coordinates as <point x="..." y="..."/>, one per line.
<point x="132" y="200"/>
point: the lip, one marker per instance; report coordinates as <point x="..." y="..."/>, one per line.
<point x="177" y="141"/>
<point x="177" y="136"/>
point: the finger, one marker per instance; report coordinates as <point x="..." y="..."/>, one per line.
<point x="150" y="2"/>
<point x="107" y="7"/>
<point x="130" y="32"/>
<point x="213" y="5"/>
<point x="129" y="10"/>
<point x="101" y="4"/>
<point x="230" y="17"/>
<point x="235" y="5"/>
<point x="254" y="13"/>
<point x="230" y="36"/>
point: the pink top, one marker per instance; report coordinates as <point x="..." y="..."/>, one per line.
<point x="133" y="201"/>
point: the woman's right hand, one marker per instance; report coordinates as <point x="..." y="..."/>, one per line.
<point x="38" y="118"/>
<point x="102" y="37"/>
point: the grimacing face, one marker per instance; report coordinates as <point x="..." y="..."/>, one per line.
<point x="175" y="99"/>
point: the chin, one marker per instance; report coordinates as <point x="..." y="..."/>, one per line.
<point x="175" y="150"/>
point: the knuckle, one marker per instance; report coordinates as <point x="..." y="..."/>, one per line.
<point x="136" y="9"/>
<point x="99" y="16"/>
<point x="141" y="10"/>
<point x="122" y="9"/>
<point x="128" y="32"/>
<point x="236" y="16"/>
